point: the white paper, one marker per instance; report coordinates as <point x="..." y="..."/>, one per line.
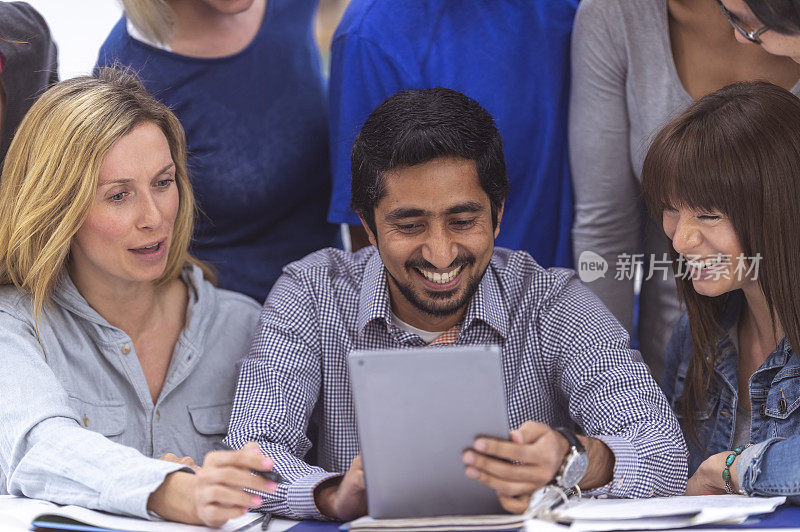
<point x="21" y="510"/>
<point x="621" y="509"/>
<point x="539" y="525"/>
<point x="650" y="523"/>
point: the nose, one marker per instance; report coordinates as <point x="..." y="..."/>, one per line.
<point x="686" y="237"/>
<point x="149" y="215"/>
<point x="439" y="249"/>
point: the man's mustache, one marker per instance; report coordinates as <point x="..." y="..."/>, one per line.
<point x="463" y="259"/>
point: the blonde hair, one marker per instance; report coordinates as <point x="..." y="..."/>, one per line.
<point x="49" y="179"/>
<point x="153" y="18"/>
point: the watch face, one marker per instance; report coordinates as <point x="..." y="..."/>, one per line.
<point x="575" y="469"/>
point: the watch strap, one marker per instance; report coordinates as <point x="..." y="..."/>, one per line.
<point x="571" y="438"/>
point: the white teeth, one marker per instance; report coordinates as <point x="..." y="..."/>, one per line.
<point x="440" y="278"/>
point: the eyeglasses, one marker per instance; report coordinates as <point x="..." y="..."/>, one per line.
<point x="750" y="35"/>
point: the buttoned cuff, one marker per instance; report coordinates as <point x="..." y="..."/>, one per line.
<point x="131" y="494"/>
<point x="300" y="495"/>
<point x="626" y="466"/>
<point x="748" y="465"/>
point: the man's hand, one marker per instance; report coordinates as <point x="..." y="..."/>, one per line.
<point x="517" y="468"/>
<point x="343" y="498"/>
<point x="215" y="494"/>
<point x="186" y="460"/>
<point x="707" y="480"/>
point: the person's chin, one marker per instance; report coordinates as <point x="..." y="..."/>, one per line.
<point x="147" y="274"/>
<point x="710" y="288"/>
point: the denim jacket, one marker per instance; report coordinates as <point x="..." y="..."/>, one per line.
<point x="771" y="466"/>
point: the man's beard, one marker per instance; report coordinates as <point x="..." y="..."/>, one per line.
<point x="446" y="309"/>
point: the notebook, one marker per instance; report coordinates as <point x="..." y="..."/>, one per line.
<point x="19" y="513"/>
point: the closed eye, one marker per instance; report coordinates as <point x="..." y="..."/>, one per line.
<point x="407" y="228"/>
<point x="464" y="224"/>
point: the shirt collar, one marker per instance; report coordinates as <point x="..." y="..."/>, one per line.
<point x="487" y="304"/>
<point x="202" y="301"/>
<point x="374" y="297"/>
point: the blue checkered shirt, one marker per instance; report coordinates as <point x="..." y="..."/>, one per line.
<point x="566" y="361"/>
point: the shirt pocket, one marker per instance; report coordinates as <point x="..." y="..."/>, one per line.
<point x="782" y="407"/>
<point x="211" y="425"/>
<point x="105" y="417"/>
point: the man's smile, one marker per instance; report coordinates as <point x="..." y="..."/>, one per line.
<point x="440" y="280"/>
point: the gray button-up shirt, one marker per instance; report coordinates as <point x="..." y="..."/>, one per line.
<point x="78" y="423"/>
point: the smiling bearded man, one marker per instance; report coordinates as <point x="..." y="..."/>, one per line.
<point x="429" y="184"/>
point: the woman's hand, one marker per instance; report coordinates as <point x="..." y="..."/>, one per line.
<point x="215" y="493"/>
<point x="707" y="480"/>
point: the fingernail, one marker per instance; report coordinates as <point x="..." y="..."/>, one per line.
<point x="468" y="458"/>
<point x="245" y="510"/>
<point x="272" y="487"/>
<point x="480" y="445"/>
<point x="268" y="463"/>
<point x="257" y="501"/>
<point x="472" y="472"/>
<point x="256" y="450"/>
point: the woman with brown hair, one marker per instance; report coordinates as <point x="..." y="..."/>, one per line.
<point x="724" y="179"/>
<point x="635" y="66"/>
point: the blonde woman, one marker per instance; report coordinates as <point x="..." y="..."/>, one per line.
<point x="116" y="347"/>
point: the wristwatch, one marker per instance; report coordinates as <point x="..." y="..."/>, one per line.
<point x="575" y="463"/>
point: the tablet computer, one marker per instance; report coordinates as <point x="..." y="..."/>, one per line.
<point x="417" y="411"/>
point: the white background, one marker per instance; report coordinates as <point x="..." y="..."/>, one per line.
<point x="79" y="27"/>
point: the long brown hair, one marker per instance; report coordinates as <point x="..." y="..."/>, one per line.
<point x="735" y="151"/>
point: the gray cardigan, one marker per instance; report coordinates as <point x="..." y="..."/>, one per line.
<point x="624" y="89"/>
<point x="79" y="424"/>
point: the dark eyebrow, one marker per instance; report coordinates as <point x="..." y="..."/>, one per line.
<point x="123" y="180"/>
<point x="467" y="206"/>
<point x="404" y="212"/>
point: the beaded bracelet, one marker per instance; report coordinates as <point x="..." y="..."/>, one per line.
<point x="726" y="473"/>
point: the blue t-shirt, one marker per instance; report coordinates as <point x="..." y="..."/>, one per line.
<point x="257" y="139"/>
<point x="511" y="56"/>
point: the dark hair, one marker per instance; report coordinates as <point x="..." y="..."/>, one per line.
<point x="416" y="126"/>
<point x="782" y="16"/>
<point x="735" y="151"/>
